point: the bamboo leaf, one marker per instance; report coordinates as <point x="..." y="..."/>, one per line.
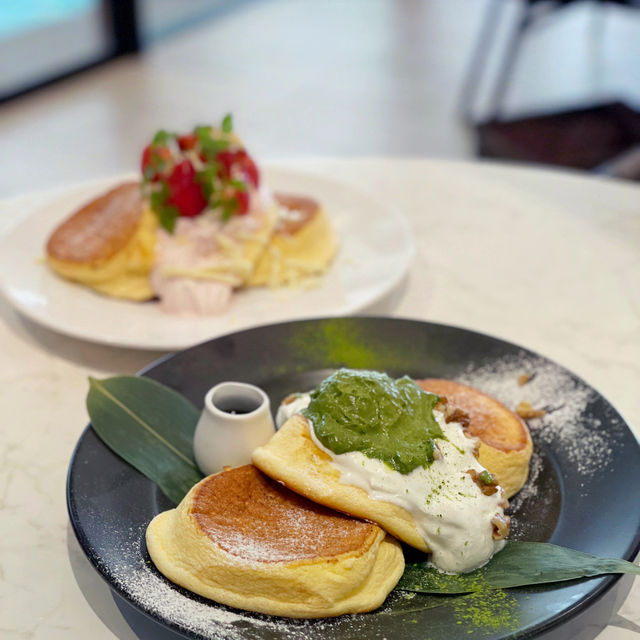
<point x="150" y="426"/>
<point x="517" y="565"/>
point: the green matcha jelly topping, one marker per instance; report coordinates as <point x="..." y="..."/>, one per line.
<point x="390" y="420"/>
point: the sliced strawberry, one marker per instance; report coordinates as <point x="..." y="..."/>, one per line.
<point x="187" y="141"/>
<point x="238" y="162"/>
<point x="185" y="193"/>
<point x="246" y="164"/>
<point x="242" y="198"/>
<point x="156" y="159"/>
<point x="226" y="160"/>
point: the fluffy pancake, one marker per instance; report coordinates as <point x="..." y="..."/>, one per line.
<point x="107" y="244"/>
<point x="303" y="244"/>
<point x="505" y="442"/>
<point x="248" y="542"/>
<point x="292" y="457"/>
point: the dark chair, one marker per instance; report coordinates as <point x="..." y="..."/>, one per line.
<point x="604" y="138"/>
<point x="531" y="13"/>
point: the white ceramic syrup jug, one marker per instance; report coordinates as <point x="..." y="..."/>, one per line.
<point x="236" y="419"/>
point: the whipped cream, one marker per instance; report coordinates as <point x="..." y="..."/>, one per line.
<point x="290" y="407"/>
<point x="198" y="266"/>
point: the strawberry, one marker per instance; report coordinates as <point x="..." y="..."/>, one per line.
<point x="242" y="198"/>
<point x="246" y="164"/>
<point x="226" y="159"/>
<point x="184" y="191"/>
<point x="224" y="178"/>
<point x="238" y="161"/>
<point x="187" y="141"/>
<point x="155" y="161"/>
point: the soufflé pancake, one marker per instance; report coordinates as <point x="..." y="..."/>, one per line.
<point x="302" y="246"/>
<point x="292" y="457"/>
<point x="505" y="442"/>
<point x="108" y="244"/>
<point x="243" y="540"/>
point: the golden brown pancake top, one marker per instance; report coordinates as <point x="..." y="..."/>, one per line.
<point x="307" y="208"/>
<point x="489" y="419"/>
<point x="99" y="229"/>
<point x="249" y="515"/>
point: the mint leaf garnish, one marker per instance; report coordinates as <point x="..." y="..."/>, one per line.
<point x="240" y="185"/>
<point x="211" y="148"/>
<point x="162" y="137"/>
<point x="167" y="213"/>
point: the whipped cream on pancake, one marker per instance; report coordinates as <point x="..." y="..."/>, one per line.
<point x="216" y="217"/>
<point x="198" y="266"/>
<point x="197" y="226"/>
<point x="291" y="405"/>
<point x="450" y="510"/>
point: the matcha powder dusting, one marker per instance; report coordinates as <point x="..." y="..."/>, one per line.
<point x="488" y="610"/>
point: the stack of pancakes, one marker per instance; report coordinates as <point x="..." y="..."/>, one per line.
<point x="108" y="245"/>
<point x="264" y="542"/>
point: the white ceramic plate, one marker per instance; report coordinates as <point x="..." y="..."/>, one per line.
<point x="375" y="252"/>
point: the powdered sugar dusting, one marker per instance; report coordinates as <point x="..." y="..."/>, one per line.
<point x="244" y="549"/>
<point x="274" y="524"/>
<point x="530" y="488"/>
<point x="298" y="542"/>
<point x="567" y="425"/>
<point x="135" y="575"/>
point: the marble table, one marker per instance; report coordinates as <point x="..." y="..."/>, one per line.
<point x="546" y="259"/>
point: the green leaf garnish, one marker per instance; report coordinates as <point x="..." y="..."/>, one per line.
<point x="167" y="213"/>
<point x="227" y="124"/>
<point x="229" y="207"/>
<point x="203" y="130"/>
<point x="211" y="147"/>
<point x="207" y="178"/>
<point x="167" y="217"/>
<point x="162" y="137"/>
<point x="150" y="426"/>
<point x="519" y="564"/>
<point x="240" y="185"/>
<point x="149" y="173"/>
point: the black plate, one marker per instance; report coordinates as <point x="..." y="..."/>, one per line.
<point x="585" y="463"/>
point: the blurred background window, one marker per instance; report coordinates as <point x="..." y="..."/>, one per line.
<point x="553" y="82"/>
<point x="42" y="40"/>
<point x="157" y="18"/>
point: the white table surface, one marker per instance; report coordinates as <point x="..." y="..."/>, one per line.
<point x="546" y="259"/>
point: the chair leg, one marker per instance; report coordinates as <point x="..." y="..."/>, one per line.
<point x="478" y="61"/>
<point x="508" y="63"/>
